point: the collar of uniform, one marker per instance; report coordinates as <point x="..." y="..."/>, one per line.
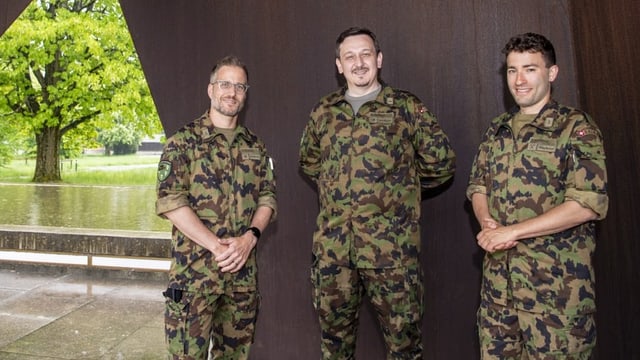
<point x="244" y="133"/>
<point x="386" y="95"/>
<point x="386" y="92"/>
<point x="206" y="128"/>
<point x="547" y="118"/>
<point x="208" y="132"/>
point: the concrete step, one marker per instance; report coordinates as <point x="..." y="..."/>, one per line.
<point x="92" y="249"/>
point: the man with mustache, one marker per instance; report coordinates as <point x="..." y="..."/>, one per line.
<point x="370" y="149"/>
<point x="216" y="185"/>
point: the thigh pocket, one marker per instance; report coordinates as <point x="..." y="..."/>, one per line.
<point x="574" y="334"/>
<point x="175" y="324"/>
<point x="582" y="334"/>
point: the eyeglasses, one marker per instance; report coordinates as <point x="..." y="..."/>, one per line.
<point x="228" y="85"/>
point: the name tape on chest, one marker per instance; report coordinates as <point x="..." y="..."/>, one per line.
<point x="250" y="154"/>
<point x="542" y="145"/>
<point x="381" y="118"/>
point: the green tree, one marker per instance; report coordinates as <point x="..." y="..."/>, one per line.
<point x="120" y="139"/>
<point x="66" y="67"/>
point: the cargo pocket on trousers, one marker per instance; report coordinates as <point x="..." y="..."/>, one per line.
<point x="582" y="333"/>
<point x="175" y="324"/>
<point x="576" y="335"/>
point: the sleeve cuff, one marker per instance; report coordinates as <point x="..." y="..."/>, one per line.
<point x="270" y="203"/>
<point x="597" y="202"/>
<point x="170" y="202"/>
<point x="472" y="189"/>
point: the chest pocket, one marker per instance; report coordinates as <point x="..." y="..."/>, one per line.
<point x="249" y="163"/>
<point x="389" y="139"/>
<point x="544" y="161"/>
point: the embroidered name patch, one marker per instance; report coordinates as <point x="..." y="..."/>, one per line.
<point x="542" y="145"/>
<point x="250" y="154"/>
<point x="381" y="118"/>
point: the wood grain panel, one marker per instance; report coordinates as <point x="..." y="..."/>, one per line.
<point x="607" y="58"/>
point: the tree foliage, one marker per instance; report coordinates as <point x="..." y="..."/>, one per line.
<point x="66" y="67"/>
<point x="7" y="142"/>
<point x="120" y="139"/>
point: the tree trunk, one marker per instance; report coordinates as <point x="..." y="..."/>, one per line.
<point x="48" y="155"/>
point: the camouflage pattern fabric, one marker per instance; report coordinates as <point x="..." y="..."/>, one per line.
<point x="224" y="184"/>
<point x="369" y="170"/>
<point x="559" y="157"/>
<point x="395" y="294"/>
<point x="189" y="324"/>
<point x="539" y="295"/>
<point x="510" y="334"/>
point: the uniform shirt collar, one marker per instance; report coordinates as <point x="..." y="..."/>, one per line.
<point x="547" y="118"/>
<point x="208" y="132"/>
<point x="384" y="96"/>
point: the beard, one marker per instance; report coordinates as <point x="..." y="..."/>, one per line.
<point x="361" y="76"/>
<point x="226" y="109"/>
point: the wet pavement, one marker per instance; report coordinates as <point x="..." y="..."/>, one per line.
<point x="49" y="315"/>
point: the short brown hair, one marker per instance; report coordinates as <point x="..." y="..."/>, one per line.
<point x="533" y="43"/>
<point x="229" y="60"/>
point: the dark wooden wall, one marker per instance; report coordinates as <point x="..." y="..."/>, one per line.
<point x="9" y="11"/>
<point x="447" y="53"/>
<point x="608" y="78"/>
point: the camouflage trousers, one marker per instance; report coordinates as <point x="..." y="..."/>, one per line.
<point x="507" y="333"/>
<point x="395" y="294"/>
<point x="223" y="322"/>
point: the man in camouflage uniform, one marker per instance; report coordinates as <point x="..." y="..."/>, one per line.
<point x="537" y="184"/>
<point x="370" y="148"/>
<point x="216" y="185"/>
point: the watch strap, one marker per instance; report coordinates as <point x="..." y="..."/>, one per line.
<point x="256" y="232"/>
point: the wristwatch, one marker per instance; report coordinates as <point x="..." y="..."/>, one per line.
<point x="256" y="232"/>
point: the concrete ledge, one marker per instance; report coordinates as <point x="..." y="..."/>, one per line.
<point x="58" y="270"/>
<point x="109" y="249"/>
<point x="86" y="241"/>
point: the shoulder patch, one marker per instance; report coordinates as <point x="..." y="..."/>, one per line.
<point x="585" y="132"/>
<point x="164" y="170"/>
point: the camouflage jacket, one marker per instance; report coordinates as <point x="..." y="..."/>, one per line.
<point x="558" y="156"/>
<point x="224" y="184"/>
<point x="369" y="169"/>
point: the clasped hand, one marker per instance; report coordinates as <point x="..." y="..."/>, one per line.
<point x="232" y="253"/>
<point x="494" y="237"/>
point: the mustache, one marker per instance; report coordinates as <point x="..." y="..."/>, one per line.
<point x="230" y="97"/>
<point x="358" y="68"/>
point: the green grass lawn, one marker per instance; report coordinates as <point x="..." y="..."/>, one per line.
<point x="91" y="170"/>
